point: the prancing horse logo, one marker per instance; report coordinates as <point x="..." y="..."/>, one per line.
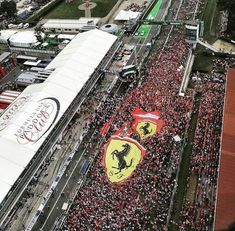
<point x="122" y="164"/>
<point x="122" y="155"/>
<point x="145" y="129"/>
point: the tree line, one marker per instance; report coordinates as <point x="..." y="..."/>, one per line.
<point x="8" y="8"/>
<point x="229" y="5"/>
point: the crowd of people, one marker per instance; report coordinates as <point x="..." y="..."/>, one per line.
<point x="198" y="210"/>
<point x="143" y="202"/>
<point x="137" y="7"/>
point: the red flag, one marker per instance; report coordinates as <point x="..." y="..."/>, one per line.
<point x="124" y="130"/>
<point x="105" y="128"/>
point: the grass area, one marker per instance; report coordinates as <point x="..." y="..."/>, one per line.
<point x="70" y="10"/>
<point x="184" y="168"/>
<point x="210" y="16"/>
<point x="193" y="179"/>
<point x="210" y="20"/>
<point x="203" y="62"/>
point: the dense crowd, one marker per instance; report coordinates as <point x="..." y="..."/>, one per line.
<point x="199" y="204"/>
<point x="136" y="7"/>
<point x="143" y="202"/>
<point x="101" y="205"/>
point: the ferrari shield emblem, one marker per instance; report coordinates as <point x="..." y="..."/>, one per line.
<point x="122" y="155"/>
<point x="146" y="124"/>
<point x="146" y="128"/>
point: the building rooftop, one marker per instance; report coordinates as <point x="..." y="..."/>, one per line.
<point x="70" y="23"/>
<point x="4" y="55"/>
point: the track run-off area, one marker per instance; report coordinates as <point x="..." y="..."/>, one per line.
<point x="143" y="30"/>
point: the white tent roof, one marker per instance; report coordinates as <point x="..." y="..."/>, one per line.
<point x="23" y="37"/>
<point x="86" y="51"/>
<point x="66" y="36"/>
<point x="6" y="34"/>
<point x="125" y="15"/>
<point x="5" y="188"/>
<point x="27" y="122"/>
<point x="69" y="23"/>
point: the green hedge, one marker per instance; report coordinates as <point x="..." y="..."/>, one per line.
<point x="41" y="13"/>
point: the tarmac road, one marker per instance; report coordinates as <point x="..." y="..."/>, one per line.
<point x="72" y="179"/>
<point x="69" y="181"/>
<point x="141" y="42"/>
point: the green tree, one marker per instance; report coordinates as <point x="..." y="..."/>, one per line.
<point x="38" y="31"/>
<point x="227" y="4"/>
<point x="9" y="7"/>
<point x="230" y="7"/>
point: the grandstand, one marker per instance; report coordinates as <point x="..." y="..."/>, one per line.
<point x="29" y="121"/>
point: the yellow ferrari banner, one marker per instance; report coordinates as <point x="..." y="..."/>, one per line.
<point x="122" y="155"/>
<point x="146" y="128"/>
<point x="146" y="124"/>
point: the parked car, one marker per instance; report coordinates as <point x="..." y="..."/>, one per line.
<point x="19" y="26"/>
<point x="26" y="25"/>
<point x="10" y="26"/>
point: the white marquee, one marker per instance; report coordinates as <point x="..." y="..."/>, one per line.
<point x="25" y="125"/>
<point x="125" y="15"/>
